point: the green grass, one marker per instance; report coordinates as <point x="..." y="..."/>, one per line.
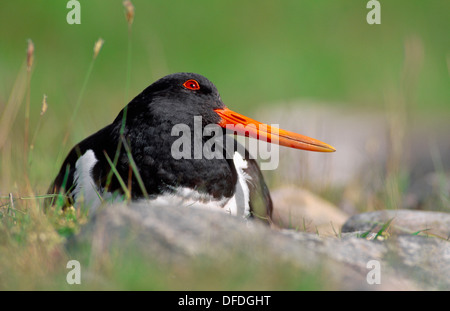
<point x="256" y="55"/>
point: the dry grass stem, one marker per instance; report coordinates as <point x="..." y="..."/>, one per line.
<point x="129" y="11"/>
<point x="98" y="46"/>
<point x="30" y="55"/>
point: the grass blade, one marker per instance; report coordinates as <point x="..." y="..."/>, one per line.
<point x="135" y="169"/>
<point x="119" y="178"/>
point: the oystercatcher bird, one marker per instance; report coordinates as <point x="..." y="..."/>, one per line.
<point x="139" y="154"/>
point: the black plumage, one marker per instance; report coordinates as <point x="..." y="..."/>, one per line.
<point x="144" y="128"/>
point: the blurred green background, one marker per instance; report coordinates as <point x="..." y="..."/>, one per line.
<point x="259" y="54"/>
<point x="256" y="52"/>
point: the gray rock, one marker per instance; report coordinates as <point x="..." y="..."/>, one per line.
<point x="298" y="208"/>
<point x="179" y="235"/>
<point x="422" y="258"/>
<point x="403" y="221"/>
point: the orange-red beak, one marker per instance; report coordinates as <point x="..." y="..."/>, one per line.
<point x="245" y="126"/>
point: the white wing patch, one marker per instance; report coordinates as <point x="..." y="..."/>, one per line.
<point x="239" y="204"/>
<point x="85" y="191"/>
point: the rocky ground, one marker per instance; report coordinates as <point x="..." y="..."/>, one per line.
<point x="179" y="235"/>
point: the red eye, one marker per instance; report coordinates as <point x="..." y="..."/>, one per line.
<point x="191" y="85"/>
